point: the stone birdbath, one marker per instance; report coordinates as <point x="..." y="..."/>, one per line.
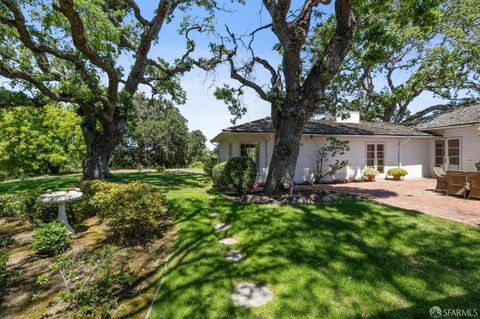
<point x="61" y="198"/>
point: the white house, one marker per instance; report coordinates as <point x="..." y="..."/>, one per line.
<point x="450" y="140"/>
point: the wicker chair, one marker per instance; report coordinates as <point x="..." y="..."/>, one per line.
<point x="473" y="180"/>
<point x="442" y="183"/>
<point x="457" y="183"/>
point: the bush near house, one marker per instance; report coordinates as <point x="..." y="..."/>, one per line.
<point x="209" y="162"/>
<point x="218" y="175"/>
<point x="240" y="173"/>
<point x="50" y="239"/>
<point x="132" y="210"/>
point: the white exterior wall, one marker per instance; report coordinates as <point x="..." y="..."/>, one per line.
<point x="415" y="154"/>
<point x="470" y="144"/>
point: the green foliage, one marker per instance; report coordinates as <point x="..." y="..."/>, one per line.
<point x="371" y="171"/>
<point x="25" y="205"/>
<point x="196" y="164"/>
<point x="50" y="239"/>
<point x="3" y="176"/>
<point x="160" y="137"/>
<point x="133" y="210"/>
<point x="477" y="166"/>
<point x="160" y="168"/>
<point x="218" y="175"/>
<point x="240" y="173"/>
<point x="397" y="171"/>
<point x="331" y="150"/>
<point x="209" y="162"/>
<point x="233" y="99"/>
<point x="403" y="49"/>
<point x="4" y="256"/>
<point x="40" y="141"/>
<point x="93" y="282"/>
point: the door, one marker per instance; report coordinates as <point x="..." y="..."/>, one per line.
<point x="453" y="157"/>
<point x="376" y="157"/>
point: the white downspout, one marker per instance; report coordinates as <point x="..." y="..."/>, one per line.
<point x="399" y="151"/>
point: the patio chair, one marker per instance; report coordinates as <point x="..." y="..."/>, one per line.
<point x="457" y="183"/>
<point x="442" y="183"/>
<point x="473" y="180"/>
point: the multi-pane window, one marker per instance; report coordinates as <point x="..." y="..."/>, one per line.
<point x="376" y="156"/>
<point x="439" y="152"/>
<point x="454" y="154"/>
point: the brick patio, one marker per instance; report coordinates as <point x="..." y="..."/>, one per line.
<point x="414" y="194"/>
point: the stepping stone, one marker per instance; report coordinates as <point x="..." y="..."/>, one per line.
<point x="234" y="255"/>
<point x="251" y="295"/>
<point x="228" y="241"/>
<point x="223" y="226"/>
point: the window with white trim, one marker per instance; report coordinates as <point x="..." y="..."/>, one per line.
<point x="376" y="156"/>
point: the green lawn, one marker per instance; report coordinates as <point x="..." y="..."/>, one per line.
<point x="349" y="259"/>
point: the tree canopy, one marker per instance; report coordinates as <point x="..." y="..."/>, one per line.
<point x="71" y="52"/>
<point x="301" y="85"/>
<point x="40" y="141"/>
<point x="158" y="136"/>
<point x="394" y="60"/>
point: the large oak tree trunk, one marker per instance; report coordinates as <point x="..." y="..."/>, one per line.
<point x="288" y="136"/>
<point x="100" y="145"/>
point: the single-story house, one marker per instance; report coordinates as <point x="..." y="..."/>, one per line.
<point x="450" y="140"/>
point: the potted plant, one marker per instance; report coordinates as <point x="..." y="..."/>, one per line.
<point x="397" y="173"/>
<point x="477" y="166"/>
<point x="371" y="173"/>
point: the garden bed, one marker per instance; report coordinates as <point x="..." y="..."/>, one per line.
<point x="25" y="298"/>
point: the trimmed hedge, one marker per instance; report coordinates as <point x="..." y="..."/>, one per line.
<point x="240" y="173"/>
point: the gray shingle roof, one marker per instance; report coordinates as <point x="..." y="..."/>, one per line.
<point x="323" y="127"/>
<point x="461" y="115"/>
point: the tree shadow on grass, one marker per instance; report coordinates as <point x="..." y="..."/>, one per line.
<point x="346" y="259"/>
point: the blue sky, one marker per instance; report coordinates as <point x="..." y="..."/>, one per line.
<point x="202" y="110"/>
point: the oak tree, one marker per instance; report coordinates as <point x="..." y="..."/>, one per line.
<point x="71" y="51"/>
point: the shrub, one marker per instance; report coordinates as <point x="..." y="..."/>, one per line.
<point x="3" y="270"/>
<point x="397" y="172"/>
<point x="160" y="168"/>
<point x="240" y="173"/>
<point x="208" y="163"/>
<point x="196" y="164"/>
<point x="218" y="175"/>
<point x="132" y="210"/>
<point x="477" y="166"/>
<point x="3" y="176"/>
<point x="371" y="171"/>
<point x="25" y="205"/>
<point x="50" y="239"/>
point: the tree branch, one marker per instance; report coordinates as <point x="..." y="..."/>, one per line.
<point x="81" y="43"/>
<point x="332" y="58"/>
